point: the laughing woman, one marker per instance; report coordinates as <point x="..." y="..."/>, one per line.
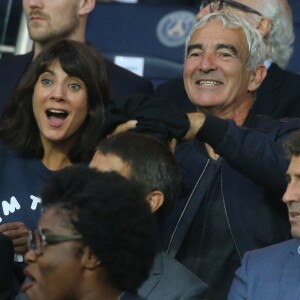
<point x="52" y="121"/>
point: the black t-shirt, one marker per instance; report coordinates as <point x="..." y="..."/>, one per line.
<point x="208" y="249"/>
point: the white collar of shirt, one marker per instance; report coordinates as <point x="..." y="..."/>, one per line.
<point x="268" y="63"/>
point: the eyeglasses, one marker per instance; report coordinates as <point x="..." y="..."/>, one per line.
<point x="37" y="240"/>
<point x="218" y="5"/>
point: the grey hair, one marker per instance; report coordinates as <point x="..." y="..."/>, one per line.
<point x="257" y="50"/>
<point x="281" y="37"/>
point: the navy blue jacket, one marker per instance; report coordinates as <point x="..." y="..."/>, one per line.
<point x="271" y="273"/>
<point x="252" y="176"/>
<point x="123" y="82"/>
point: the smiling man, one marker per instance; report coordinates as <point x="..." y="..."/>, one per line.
<point x="233" y="165"/>
<point x="273" y="272"/>
<point x="278" y="95"/>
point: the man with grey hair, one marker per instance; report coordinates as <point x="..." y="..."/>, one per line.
<point x="279" y="93"/>
<point x="232" y="163"/>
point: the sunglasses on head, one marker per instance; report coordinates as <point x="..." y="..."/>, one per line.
<point x="218" y="5"/>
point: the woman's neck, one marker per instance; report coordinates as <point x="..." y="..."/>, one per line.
<point x="55" y="160"/>
<point x="56" y="155"/>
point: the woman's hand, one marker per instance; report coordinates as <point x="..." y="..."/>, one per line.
<point x="18" y="233"/>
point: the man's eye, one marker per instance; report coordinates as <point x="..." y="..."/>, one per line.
<point x="224" y="54"/>
<point x="194" y="54"/>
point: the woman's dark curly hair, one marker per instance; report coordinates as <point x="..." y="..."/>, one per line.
<point x="111" y="214"/>
<point x="19" y="128"/>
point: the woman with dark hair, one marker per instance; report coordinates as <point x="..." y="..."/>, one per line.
<point x="53" y="120"/>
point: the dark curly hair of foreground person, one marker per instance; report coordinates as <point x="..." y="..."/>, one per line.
<point x="115" y="221"/>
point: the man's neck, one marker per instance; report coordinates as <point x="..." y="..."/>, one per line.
<point x="78" y="36"/>
<point x="237" y="114"/>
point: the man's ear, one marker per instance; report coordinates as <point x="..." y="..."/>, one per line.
<point x="256" y="78"/>
<point x="86" y="6"/>
<point x="155" y="199"/>
<point x="264" y="26"/>
<point x="89" y="259"/>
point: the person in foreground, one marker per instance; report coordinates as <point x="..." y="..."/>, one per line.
<point x="148" y="161"/>
<point x="273" y="273"/>
<point x="95" y="240"/>
<point x="232" y="163"/>
<point x="49" y="124"/>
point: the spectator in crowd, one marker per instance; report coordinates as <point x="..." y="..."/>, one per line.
<point x="49" y="124"/>
<point x="232" y="164"/>
<point x="48" y="20"/>
<point x="279" y="94"/>
<point x="273" y="272"/>
<point x="95" y="240"/>
<point x="149" y="162"/>
<point x="6" y="270"/>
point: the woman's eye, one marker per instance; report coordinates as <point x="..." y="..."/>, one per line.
<point x="46" y="81"/>
<point x="74" y="86"/>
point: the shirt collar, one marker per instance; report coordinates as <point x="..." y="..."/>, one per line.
<point x="268" y="63"/>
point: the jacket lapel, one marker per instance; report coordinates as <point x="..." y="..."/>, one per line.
<point x="153" y="279"/>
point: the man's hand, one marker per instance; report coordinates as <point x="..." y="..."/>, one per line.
<point x="18" y="233"/>
<point x="124" y="127"/>
<point x="196" y="122"/>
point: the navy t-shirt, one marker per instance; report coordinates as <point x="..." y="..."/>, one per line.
<point x="21" y="181"/>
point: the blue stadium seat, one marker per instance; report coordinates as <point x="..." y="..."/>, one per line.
<point x="153" y="33"/>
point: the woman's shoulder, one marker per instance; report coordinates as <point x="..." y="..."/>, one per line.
<point x="5" y="150"/>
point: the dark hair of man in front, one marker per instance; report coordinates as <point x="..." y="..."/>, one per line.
<point x="115" y="221"/>
<point x="292" y="144"/>
<point x="151" y="162"/>
<point x="19" y="128"/>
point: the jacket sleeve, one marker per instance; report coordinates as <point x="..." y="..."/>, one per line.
<point x="256" y="153"/>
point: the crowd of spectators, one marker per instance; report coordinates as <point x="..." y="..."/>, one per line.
<point x="214" y="155"/>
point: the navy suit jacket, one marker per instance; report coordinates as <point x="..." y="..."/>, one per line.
<point x="123" y="82"/>
<point x="271" y="273"/>
<point x="278" y="96"/>
<point x="170" y="280"/>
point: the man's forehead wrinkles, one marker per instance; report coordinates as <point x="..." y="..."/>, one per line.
<point x="215" y="46"/>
